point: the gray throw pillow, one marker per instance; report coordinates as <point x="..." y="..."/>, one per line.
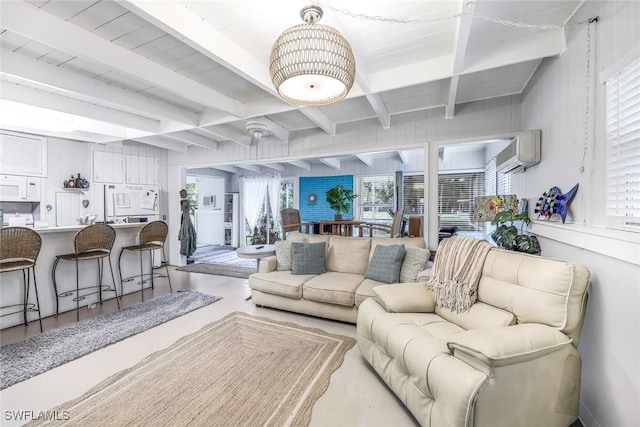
<point x="385" y="263"/>
<point x="415" y="260"/>
<point x="308" y="258"/>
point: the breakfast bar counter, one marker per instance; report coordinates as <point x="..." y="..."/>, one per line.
<point x="58" y="241"/>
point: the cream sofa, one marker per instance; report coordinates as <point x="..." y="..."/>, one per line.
<point x="511" y="360"/>
<point x="337" y="293"/>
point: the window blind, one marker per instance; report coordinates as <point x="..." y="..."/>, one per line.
<point x="375" y="198"/>
<point x="623" y="147"/>
<point x="456" y="192"/>
<point x="413" y="200"/>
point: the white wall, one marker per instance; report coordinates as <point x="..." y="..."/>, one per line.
<point x="555" y="102"/>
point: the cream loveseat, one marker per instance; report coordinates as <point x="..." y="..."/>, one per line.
<point x="511" y="360"/>
<point x="336" y="293"/>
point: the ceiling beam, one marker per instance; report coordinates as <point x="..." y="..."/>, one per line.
<point x="230" y="169"/>
<point x="365" y="158"/>
<point x="277" y="130"/>
<point x="320" y="119"/>
<point x="274" y="166"/>
<point x="34" y="23"/>
<point x="32" y="70"/>
<point x="302" y="164"/>
<point x="404" y="157"/>
<point x="195" y="139"/>
<point x="462" y="40"/>
<point x="332" y="162"/>
<point x="39" y="98"/>
<point x="252" y="168"/>
<point x="163" y="142"/>
<point x="227" y="134"/>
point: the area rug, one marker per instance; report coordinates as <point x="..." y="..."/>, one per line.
<point x="238" y="371"/>
<point x="22" y="360"/>
<point x="221" y="269"/>
<point x="214" y="254"/>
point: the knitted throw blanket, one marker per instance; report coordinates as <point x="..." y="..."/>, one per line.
<point x="456" y="272"/>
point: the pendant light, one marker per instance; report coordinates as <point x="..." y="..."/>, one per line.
<point x="312" y="64"/>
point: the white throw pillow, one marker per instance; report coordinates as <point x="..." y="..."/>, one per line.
<point x="283" y="252"/>
<point x="415" y="260"/>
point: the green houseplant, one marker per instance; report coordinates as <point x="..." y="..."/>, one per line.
<point x="509" y="237"/>
<point x="339" y="200"/>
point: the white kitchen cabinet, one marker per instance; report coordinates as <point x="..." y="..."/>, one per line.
<point x="142" y="169"/>
<point x="23" y="154"/>
<point x="108" y="167"/>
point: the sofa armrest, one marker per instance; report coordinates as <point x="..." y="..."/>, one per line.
<point x="405" y="298"/>
<point x="509" y="345"/>
<point x="268" y="264"/>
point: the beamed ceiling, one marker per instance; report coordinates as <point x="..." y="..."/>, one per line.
<point x="178" y="74"/>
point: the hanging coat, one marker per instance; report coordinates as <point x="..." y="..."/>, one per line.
<point x="187" y="235"/>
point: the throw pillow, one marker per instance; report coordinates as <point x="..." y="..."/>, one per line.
<point x="283" y="252"/>
<point x="415" y="260"/>
<point x="308" y="258"/>
<point x="385" y="263"/>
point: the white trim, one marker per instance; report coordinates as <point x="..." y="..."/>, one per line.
<point x="616" y="244"/>
<point x="618" y="65"/>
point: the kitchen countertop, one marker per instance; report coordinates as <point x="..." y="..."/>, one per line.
<point x="79" y="227"/>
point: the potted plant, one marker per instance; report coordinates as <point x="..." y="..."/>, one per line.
<point x="508" y="237"/>
<point x="339" y="200"/>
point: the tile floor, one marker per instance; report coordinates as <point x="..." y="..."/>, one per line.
<point x="355" y="397"/>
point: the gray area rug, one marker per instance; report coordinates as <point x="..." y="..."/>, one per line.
<point x="221" y="269"/>
<point x="25" y="359"/>
<point x="214" y="254"/>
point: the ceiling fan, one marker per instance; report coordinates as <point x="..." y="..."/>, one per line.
<point x="257" y="130"/>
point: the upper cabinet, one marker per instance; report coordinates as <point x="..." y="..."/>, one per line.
<point x="142" y="169"/>
<point x="108" y="167"/>
<point x="23" y="154"/>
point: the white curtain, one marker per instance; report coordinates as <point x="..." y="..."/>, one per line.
<point x="274" y="199"/>
<point x="253" y="190"/>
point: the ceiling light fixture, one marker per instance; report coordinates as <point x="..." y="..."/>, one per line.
<point x="312" y="64"/>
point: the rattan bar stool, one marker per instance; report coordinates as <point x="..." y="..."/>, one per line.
<point x="150" y="238"/>
<point x="94" y="242"/>
<point x="19" y="249"/>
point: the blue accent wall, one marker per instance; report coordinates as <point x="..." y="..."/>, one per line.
<point x="319" y="185"/>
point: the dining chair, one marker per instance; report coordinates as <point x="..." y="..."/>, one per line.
<point x="290" y="218"/>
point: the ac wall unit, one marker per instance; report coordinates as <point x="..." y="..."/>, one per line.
<point x="522" y="152"/>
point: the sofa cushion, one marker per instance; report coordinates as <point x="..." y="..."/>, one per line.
<point x="385" y="241"/>
<point x="479" y="316"/>
<point x="283" y="252"/>
<point x="385" y="264"/>
<point x="365" y="290"/>
<point x="333" y="288"/>
<point x="405" y="298"/>
<point x="348" y="254"/>
<point x="279" y="283"/>
<point x="415" y="261"/>
<point x="308" y="258"/>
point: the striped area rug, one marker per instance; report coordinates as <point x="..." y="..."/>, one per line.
<point x="239" y="371"/>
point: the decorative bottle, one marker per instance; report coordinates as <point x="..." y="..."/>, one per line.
<point x="72" y="182"/>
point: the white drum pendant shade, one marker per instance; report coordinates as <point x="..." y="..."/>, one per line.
<point x="312" y="65"/>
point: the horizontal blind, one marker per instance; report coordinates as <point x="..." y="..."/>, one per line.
<point x="413" y="200"/>
<point x="456" y="192"/>
<point x="623" y="147"/>
<point x="375" y="198"/>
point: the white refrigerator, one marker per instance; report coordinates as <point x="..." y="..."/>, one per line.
<point x="131" y="203"/>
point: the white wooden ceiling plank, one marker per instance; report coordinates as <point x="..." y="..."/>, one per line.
<point x="21" y="66"/>
<point x="66" y="9"/>
<point x="173" y="54"/>
<point x="332" y="162"/>
<point x="227" y="133"/>
<point x="195" y="139"/>
<point x="32" y="22"/>
<point x="163" y="141"/>
<point x="277" y="130"/>
<point x="120" y="26"/>
<point x="138" y="37"/>
<point x="97" y="15"/>
<point x="157" y="46"/>
<point x="183" y="23"/>
<point x="12" y="41"/>
<point x="320" y="119"/>
<point x="302" y="164"/>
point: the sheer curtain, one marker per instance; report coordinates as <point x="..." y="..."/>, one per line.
<point x="274" y="199"/>
<point x="253" y="190"/>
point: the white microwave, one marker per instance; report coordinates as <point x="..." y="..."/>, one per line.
<point x="19" y="189"/>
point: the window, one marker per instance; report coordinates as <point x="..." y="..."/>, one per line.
<point x="456" y="192"/>
<point x="413" y="203"/>
<point x="375" y="198"/>
<point x="286" y="194"/>
<point x="623" y="147"/>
